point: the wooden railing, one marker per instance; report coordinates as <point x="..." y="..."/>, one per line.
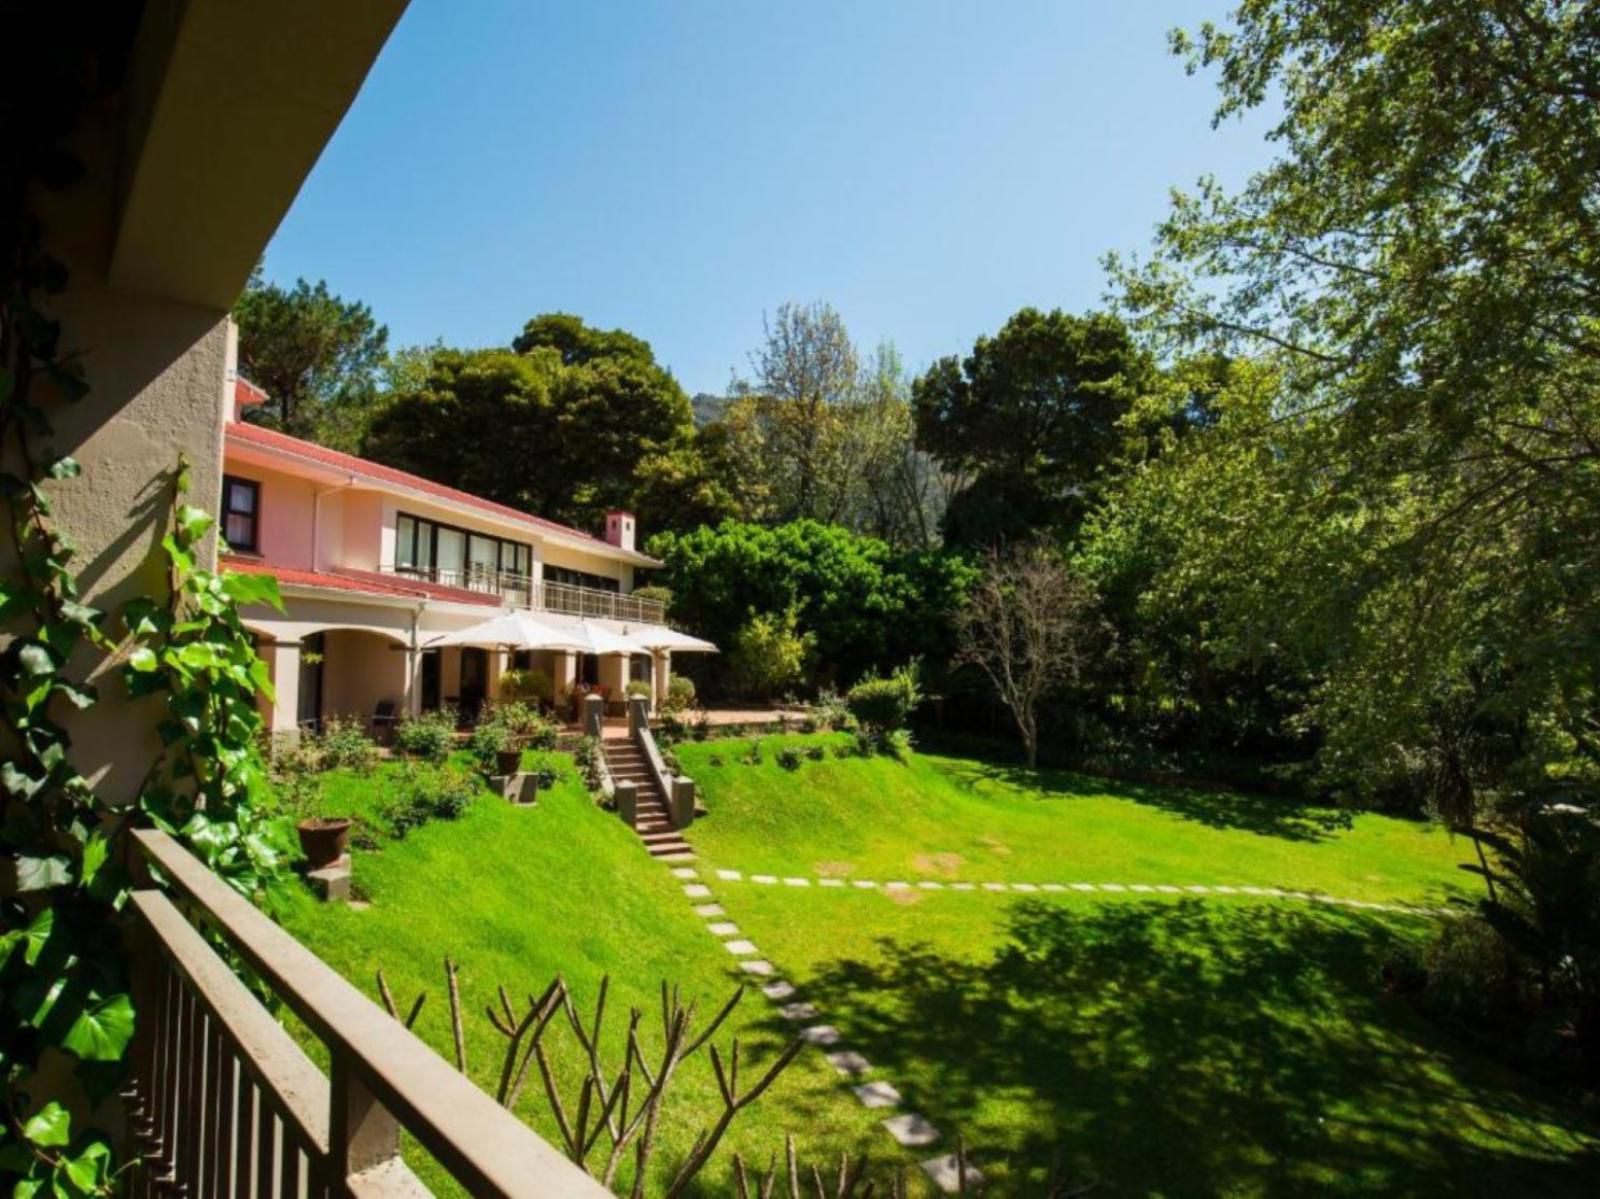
<point x="225" y="1103"/>
<point x="522" y="591"/>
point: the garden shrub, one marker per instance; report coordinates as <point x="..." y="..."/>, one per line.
<point x="680" y="694"/>
<point x="430" y="794"/>
<point x="1469" y="971"/>
<point x="637" y="689"/>
<point x="345" y="744"/>
<point x="884" y="705"/>
<point x="526" y="686"/>
<point x="752" y="756"/>
<point x="816" y="752"/>
<point x="770" y="653"/>
<point x="845" y="749"/>
<point x="714" y="760"/>
<point x="789" y="758"/>
<point x="428" y="736"/>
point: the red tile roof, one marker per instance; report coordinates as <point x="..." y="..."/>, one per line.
<point x="246" y="434"/>
<point x="362" y="582"/>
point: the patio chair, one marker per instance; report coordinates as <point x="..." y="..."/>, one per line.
<point x="383" y="722"/>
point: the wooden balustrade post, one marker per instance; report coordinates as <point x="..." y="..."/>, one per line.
<point x="364" y="1138"/>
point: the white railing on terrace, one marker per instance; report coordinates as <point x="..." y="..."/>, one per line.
<point x="224" y="1102"/>
<point x="520" y="591"/>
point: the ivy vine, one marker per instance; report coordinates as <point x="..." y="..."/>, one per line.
<point x="64" y="998"/>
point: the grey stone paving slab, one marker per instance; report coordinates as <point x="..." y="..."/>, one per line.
<point x="740" y="948"/>
<point x="946" y="1174"/>
<point x="1112" y="887"/>
<point x="928" y="884"/>
<point x="877" y="1094"/>
<point x="709" y="909"/>
<point x="777" y="990"/>
<point x="864" y="883"/>
<point x="1198" y="888"/>
<point x="1167" y="889"/>
<point x="732" y="876"/>
<point x="764" y="878"/>
<point x="1252" y="890"/>
<point x="697" y="890"/>
<point x="1146" y="887"/>
<point x="797" y="882"/>
<point x="1275" y="892"/>
<point x="1083" y="886"/>
<point x="757" y="966"/>
<point x="723" y="928"/>
<point x="994" y="887"/>
<point x="685" y="872"/>
<point x="1051" y="887"/>
<point x="1024" y="887"/>
<point x="911" y="1129"/>
<point x="1221" y="890"/>
<point x="821" y="1034"/>
<point x="848" y="1061"/>
<point x="897" y="886"/>
<point x="799" y="1010"/>
<point x="830" y="882"/>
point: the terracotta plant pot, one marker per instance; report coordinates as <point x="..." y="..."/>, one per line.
<point x="323" y="841"/>
<point x="507" y="761"/>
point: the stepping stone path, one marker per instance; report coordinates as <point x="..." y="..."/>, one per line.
<point x="877" y="1094"/>
<point x="911" y="1129"/>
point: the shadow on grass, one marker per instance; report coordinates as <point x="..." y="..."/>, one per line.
<point x="1268" y="815"/>
<point x="1178" y="1049"/>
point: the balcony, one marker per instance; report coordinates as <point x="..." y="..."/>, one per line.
<point x="224" y="1102"/>
<point x="521" y="591"/>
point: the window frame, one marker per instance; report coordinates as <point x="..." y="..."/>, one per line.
<point x="426" y="524"/>
<point x="229" y="482"/>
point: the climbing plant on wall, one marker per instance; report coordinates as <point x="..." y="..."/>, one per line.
<point x="66" y="1016"/>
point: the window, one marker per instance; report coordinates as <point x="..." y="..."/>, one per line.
<point x="455" y="556"/>
<point x="580" y="578"/>
<point x="241" y="514"/>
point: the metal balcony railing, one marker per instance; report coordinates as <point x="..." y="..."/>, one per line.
<point x="521" y="591"/>
<point x="224" y="1102"/>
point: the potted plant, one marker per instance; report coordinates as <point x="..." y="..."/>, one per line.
<point x="294" y="775"/>
<point x="495" y="749"/>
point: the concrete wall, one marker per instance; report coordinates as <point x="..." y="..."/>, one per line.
<point x="359" y="669"/>
<point x="362" y="529"/>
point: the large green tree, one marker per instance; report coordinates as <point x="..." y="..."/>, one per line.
<point x="1420" y="264"/>
<point x="1028" y="420"/>
<point x="868" y="606"/>
<point x="575" y="422"/>
<point x="315" y="354"/>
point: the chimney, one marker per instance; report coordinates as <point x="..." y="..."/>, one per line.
<point x="619" y="529"/>
<point x="246" y="395"/>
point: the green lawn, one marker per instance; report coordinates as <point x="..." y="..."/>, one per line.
<point x="1165" y="1047"/>
<point x="518" y="895"/>
<point x="940" y="817"/>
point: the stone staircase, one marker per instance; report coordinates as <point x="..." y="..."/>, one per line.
<point x="627" y="764"/>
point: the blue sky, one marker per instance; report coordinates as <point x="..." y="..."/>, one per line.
<point x="679" y="167"/>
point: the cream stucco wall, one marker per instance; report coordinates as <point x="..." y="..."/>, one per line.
<point x="286" y="514"/>
<point x="359" y="669"/>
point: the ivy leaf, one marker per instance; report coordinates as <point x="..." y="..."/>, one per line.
<point x="89" y="1170"/>
<point x="19" y="782"/>
<point x="32" y="938"/>
<point x="40" y="874"/>
<point x="50" y="1126"/>
<point x="101" y="1032"/>
<point x="81" y="614"/>
<point x="192" y="522"/>
<point x="143" y="617"/>
<point x="143" y="660"/>
<point x="80" y="697"/>
<point x="65" y="468"/>
<point x="95" y="852"/>
<point x="251" y="589"/>
<point x="36" y="659"/>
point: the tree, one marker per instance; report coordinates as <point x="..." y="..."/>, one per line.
<point x="869" y="606"/>
<point x="578" y="422"/>
<point x="1028" y="420"/>
<point x="806" y="373"/>
<point x="1419" y="266"/>
<point x="770" y="653"/>
<point x="1030" y="625"/>
<point x="308" y="349"/>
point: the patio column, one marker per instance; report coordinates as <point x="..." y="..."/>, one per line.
<point x="283" y="660"/>
<point x="565" y="664"/>
<point x="413" y="697"/>
<point x="661" y="672"/>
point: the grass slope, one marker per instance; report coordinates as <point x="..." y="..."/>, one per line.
<point x="937" y="817"/>
<point x="518" y="895"/>
<point x="1180" y="1047"/>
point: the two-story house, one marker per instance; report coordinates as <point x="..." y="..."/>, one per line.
<point x="376" y="566"/>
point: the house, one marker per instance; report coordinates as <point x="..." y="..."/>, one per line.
<point x="377" y="567"/>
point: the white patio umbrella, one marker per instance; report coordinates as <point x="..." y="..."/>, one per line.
<point x="596" y="639"/>
<point x="661" y="637"/>
<point x="516" y="630"/>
